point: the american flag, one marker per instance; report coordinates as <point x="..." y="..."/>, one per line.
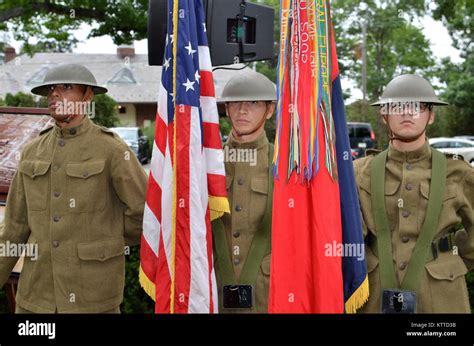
<point x="186" y="187"/>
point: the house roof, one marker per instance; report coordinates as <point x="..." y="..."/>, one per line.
<point x="133" y="82"/>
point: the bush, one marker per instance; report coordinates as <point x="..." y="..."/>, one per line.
<point x="150" y="133"/>
<point x="23" y="100"/>
<point x="135" y="300"/>
<point x="105" y="111"/>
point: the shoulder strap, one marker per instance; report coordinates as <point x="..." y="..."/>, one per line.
<point x="260" y="247"/>
<point x="261" y="243"/>
<point x="388" y="278"/>
<point x="226" y="271"/>
<point x="416" y="266"/>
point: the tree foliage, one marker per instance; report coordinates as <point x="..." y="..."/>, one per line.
<point x="395" y="45"/>
<point x="23" y="100"/>
<point x="105" y="111"/>
<point x="459" y="78"/>
<point x="51" y="22"/>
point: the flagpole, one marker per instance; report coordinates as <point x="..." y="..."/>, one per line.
<point x="173" y="219"/>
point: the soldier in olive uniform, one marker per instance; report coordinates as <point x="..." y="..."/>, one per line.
<point x="242" y="239"/>
<point x="78" y="195"/>
<point x="412" y="199"/>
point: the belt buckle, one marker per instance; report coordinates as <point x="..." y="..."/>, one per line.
<point x="237" y="296"/>
<point x="398" y="302"/>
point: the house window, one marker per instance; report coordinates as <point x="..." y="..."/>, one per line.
<point x="38" y="77"/>
<point x="124" y="75"/>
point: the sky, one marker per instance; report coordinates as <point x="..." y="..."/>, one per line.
<point x="435" y="31"/>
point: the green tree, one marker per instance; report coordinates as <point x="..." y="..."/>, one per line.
<point x="150" y="133"/>
<point x="459" y="78"/>
<point x="23" y="100"/>
<point x="51" y="22"/>
<point x="394" y="44"/>
<point x="225" y="126"/>
<point x="2" y="54"/>
<point x="457" y="15"/>
<point x="105" y="111"/>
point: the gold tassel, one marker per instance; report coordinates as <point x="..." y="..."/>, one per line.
<point x="218" y="206"/>
<point x="358" y="298"/>
<point x="147" y="285"/>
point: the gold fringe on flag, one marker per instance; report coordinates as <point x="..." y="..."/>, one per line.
<point x="218" y="206"/>
<point x="147" y="285"/>
<point x="358" y="298"/>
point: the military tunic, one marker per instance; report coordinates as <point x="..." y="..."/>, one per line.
<point x="407" y="184"/>
<point x="78" y="195"/>
<point x="247" y="190"/>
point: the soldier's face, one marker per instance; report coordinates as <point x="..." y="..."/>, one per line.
<point x="65" y="99"/>
<point x="248" y="117"/>
<point x="410" y="123"/>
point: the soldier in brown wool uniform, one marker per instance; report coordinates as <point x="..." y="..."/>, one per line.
<point x="412" y="199"/>
<point x="78" y="195"/>
<point x="242" y="239"/>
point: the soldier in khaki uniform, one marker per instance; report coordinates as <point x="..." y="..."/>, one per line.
<point x="242" y="239"/>
<point x="78" y="195"/>
<point x="412" y="199"/>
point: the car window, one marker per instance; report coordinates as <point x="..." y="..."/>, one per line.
<point x="441" y="145"/>
<point x="362" y="132"/>
<point x="351" y="130"/>
<point x="462" y="145"/>
<point x="127" y="134"/>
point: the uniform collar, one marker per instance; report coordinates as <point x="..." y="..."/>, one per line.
<point x="259" y="143"/>
<point x="424" y="152"/>
<point x="70" y="132"/>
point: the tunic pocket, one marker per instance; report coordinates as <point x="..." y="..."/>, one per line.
<point x="258" y="200"/>
<point x="36" y="183"/>
<point x="86" y="186"/>
<point x="448" y="285"/>
<point x="449" y="193"/>
<point x="263" y="285"/>
<point x="102" y="269"/>
<point x="28" y="270"/>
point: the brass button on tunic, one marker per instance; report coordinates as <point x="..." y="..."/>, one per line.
<point x="80" y="203"/>
<point x="248" y="198"/>
<point x="407" y="184"/>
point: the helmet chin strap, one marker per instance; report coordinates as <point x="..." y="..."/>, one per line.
<point x="393" y="136"/>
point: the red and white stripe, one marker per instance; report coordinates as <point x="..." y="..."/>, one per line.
<point x="200" y="173"/>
